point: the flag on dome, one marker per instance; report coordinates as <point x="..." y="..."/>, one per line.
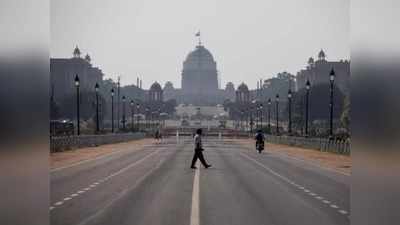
<point x="198" y="34"/>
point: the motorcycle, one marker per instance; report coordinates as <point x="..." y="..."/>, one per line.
<point x="260" y="146"/>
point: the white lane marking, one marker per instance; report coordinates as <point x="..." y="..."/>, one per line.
<point x="334" y="206"/>
<point x="195" y="215"/>
<point x="344" y="212"/>
<point x="309" y="163"/>
<point x="74" y="195"/>
<point x="291" y="182"/>
<point x="97" y="158"/>
<point x="51" y="208"/>
<point x="58" y="203"/>
<point x="108" y="177"/>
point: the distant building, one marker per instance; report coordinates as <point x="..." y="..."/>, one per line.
<point x="280" y="84"/>
<point x="318" y="72"/>
<point x="64" y="70"/>
<point x="243" y="94"/>
<point x="199" y="82"/>
<point x="155" y="93"/>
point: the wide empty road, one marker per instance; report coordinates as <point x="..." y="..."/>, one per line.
<point x="154" y="186"/>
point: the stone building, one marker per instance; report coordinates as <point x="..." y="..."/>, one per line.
<point x="155" y="93"/>
<point x="200" y="81"/>
<point x="64" y="70"/>
<point x="243" y="94"/>
<point x="318" y="72"/>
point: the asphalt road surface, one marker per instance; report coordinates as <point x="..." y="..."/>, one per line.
<point x="155" y="186"/>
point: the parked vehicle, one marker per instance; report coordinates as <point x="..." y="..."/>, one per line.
<point x="61" y="127"/>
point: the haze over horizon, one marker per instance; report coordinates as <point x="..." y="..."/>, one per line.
<point x="249" y="40"/>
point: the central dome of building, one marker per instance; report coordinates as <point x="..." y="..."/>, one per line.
<point x="199" y="74"/>
<point x="200" y="53"/>
<point x="200" y="58"/>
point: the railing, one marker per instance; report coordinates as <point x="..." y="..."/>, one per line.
<point x="325" y="145"/>
<point x="61" y="143"/>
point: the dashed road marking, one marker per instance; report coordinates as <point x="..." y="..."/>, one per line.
<point x="334" y="206"/>
<point x="296" y="185"/>
<point x="101" y="180"/>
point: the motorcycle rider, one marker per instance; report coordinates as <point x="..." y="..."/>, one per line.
<point x="260" y="138"/>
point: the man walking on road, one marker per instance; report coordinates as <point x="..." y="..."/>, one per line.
<point x="198" y="151"/>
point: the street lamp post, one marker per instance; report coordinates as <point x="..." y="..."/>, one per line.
<point x="251" y="120"/>
<point x="332" y="80"/>
<point x="96" y="88"/>
<point x="112" y="110"/>
<point x="290" y="111"/>
<point x="137" y="115"/>
<point x="269" y="115"/>
<point x="118" y="102"/>
<point x="261" y="116"/>
<point x="123" y="112"/>
<point x="277" y="113"/>
<point x="132" y="112"/>
<point x="308" y="85"/>
<point x="147" y="117"/>
<point x="241" y="119"/>
<point x="77" y="104"/>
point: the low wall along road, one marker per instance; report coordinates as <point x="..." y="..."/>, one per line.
<point x="63" y="143"/>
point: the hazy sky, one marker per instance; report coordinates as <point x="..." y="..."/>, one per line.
<point x="151" y="38"/>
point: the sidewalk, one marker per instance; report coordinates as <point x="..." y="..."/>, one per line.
<point x="61" y="159"/>
<point x="336" y="162"/>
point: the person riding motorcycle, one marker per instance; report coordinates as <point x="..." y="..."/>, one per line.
<point x="260" y="138"/>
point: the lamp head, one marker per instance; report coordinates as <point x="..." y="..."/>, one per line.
<point x="308" y="85"/>
<point x="332" y="75"/>
<point x="77" y="80"/>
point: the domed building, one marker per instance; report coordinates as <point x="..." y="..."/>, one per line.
<point x="155" y="93"/>
<point x="199" y="74"/>
<point x="200" y="81"/>
<point x="243" y="94"/>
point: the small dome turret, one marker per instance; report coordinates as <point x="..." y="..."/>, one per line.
<point x="321" y="55"/>
<point x="87" y="58"/>
<point x="77" y="52"/>
<point x="243" y="88"/>
<point x="156" y="87"/>
<point x="310" y="61"/>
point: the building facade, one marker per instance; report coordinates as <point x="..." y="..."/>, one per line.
<point x="64" y="70"/>
<point x="317" y="72"/>
<point x="200" y="81"/>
